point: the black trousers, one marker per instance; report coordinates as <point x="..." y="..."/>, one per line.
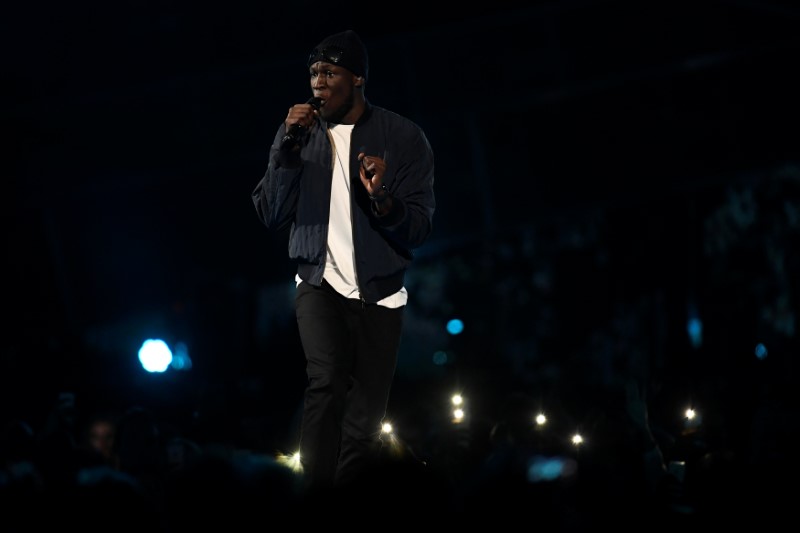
<point x="351" y="356"/>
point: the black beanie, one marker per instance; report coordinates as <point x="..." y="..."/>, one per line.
<point x="344" y="49"/>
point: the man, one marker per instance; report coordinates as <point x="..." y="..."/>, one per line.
<point x="355" y="181"/>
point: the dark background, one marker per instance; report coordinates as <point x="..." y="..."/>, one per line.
<point x="604" y="171"/>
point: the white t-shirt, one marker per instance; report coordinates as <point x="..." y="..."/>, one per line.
<point x="340" y="269"/>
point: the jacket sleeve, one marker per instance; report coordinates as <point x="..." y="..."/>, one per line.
<point x="275" y="196"/>
<point x="410" y="221"/>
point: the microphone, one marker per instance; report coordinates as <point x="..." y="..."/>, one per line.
<point x="295" y="132"/>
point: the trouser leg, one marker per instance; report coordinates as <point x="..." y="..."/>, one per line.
<point x="376" y="339"/>
<point x="323" y="328"/>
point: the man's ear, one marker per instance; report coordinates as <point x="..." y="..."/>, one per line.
<point x="359" y="81"/>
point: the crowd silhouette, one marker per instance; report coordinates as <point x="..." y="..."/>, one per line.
<point x="149" y="474"/>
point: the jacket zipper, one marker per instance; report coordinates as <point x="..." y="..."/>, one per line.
<point x="353" y="224"/>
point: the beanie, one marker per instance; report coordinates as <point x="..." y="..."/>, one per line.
<point x="344" y="49"/>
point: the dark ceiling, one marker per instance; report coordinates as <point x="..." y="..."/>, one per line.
<point x="135" y="132"/>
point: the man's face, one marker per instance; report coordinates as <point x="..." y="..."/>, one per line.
<point x="101" y="437"/>
<point x="336" y="86"/>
